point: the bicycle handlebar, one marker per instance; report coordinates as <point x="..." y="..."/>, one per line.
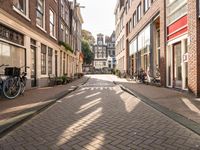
<point x="4" y="65"/>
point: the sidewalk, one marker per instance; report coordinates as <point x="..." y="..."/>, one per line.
<point x="179" y="102"/>
<point x="12" y="111"/>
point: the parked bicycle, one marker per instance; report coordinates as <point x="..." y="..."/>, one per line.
<point x="15" y="83"/>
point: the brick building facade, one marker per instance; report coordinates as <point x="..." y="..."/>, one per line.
<point x="30" y="35"/>
<point x="163" y="35"/>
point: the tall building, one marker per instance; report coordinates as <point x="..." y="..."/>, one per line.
<point x="120" y="51"/>
<point x="30" y="34"/>
<point x="100" y="53"/>
<point x="104" y="52"/>
<point x="110" y="42"/>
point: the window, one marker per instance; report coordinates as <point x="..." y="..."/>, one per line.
<point x="67" y="16"/>
<point x="66" y="36"/>
<point x="40" y="13"/>
<point x="62" y="33"/>
<point x="175" y="10"/>
<point x="50" y="54"/>
<point x="134" y="19"/>
<point x="62" y="9"/>
<point x="52" y="23"/>
<point x="20" y="5"/>
<point x="43" y="58"/>
<point x="139" y="12"/>
<point x="147" y="4"/>
<point x="64" y="62"/>
<point x="130" y="26"/>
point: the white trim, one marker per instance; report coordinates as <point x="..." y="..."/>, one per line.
<point x="177" y="30"/>
<point x="53" y="37"/>
<point x="177" y="39"/>
<point x="41" y="28"/>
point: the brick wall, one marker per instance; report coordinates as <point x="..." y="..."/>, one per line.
<point x="194" y="46"/>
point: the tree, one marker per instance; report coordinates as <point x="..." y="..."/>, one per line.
<point x="87" y="36"/>
<point x="88" y="54"/>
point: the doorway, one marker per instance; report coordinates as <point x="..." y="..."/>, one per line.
<point x="177" y="73"/>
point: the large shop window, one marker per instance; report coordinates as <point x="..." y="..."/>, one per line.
<point x="11" y="55"/>
<point x="144" y="48"/>
<point x="43" y="58"/>
<point x="40" y="13"/>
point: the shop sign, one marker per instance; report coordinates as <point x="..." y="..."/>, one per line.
<point x="185" y="57"/>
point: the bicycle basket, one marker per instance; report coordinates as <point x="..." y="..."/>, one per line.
<point x="12" y="71"/>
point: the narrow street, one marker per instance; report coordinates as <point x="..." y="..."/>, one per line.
<point x="99" y="115"/>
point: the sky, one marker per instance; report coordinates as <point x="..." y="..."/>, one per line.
<point x="98" y="16"/>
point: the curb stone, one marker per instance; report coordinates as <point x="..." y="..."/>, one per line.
<point x="12" y="123"/>
<point x="190" y="124"/>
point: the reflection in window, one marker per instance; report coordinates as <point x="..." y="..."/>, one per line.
<point x="5" y="51"/>
<point x="11" y="55"/>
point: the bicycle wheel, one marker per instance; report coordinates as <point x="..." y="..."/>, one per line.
<point x="11" y="87"/>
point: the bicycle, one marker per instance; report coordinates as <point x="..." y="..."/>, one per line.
<point x="15" y="83"/>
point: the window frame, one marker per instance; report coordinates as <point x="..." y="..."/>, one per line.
<point x="52" y="24"/>
<point x="50" y="60"/>
<point x="43" y="60"/>
<point x="139" y="12"/>
<point x="42" y="14"/>
<point x="24" y="14"/>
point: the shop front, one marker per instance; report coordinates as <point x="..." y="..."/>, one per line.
<point x="177" y="63"/>
<point x="12" y="51"/>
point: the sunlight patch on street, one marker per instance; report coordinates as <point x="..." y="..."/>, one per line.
<point x="97" y="141"/>
<point x="92" y="95"/>
<point x="130" y="102"/>
<point x="78" y="126"/>
<point x="190" y="105"/>
<point x="70" y="96"/>
<point x="89" y="105"/>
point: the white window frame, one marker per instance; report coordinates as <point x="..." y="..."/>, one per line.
<point x="26" y="14"/>
<point x="53" y="24"/>
<point x="44" y="16"/>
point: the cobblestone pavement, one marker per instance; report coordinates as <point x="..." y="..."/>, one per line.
<point x="11" y="108"/>
<point x="100" y="115"/>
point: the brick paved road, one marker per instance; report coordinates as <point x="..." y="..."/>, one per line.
<point x="100" y="115"/>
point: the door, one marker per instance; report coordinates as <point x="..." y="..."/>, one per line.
<point x="177" y="65"/>
<point x="33" y="67"/>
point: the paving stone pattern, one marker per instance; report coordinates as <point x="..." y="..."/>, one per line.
<point x="99" y="115"/>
